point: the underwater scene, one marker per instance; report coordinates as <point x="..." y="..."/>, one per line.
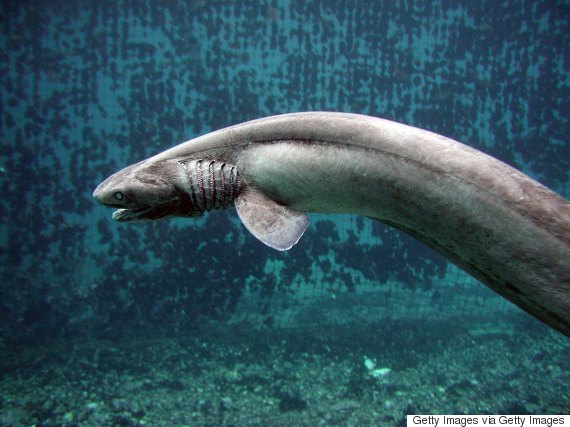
<point x="193" y="321"/>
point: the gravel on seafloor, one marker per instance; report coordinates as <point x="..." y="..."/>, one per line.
<point x="239" y="376"/>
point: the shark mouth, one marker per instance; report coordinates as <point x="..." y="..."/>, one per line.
<point x="171" y="208"/>
<point x="134" y="215"/>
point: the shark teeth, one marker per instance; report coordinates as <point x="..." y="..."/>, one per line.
<point x="130" y="215"/>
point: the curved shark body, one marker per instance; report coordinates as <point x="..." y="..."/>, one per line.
<point x="496" y="223"/>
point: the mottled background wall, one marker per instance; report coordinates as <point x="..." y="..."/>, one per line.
<point x="88" y="87"/>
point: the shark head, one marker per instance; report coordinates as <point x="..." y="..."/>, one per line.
<point x="145" y="192"/>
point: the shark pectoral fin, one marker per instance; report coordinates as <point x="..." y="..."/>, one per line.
<point x="275" y="225"/>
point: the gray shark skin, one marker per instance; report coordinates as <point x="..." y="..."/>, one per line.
<point x="496" y="223"/>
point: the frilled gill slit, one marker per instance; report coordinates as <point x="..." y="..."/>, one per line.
<point x="209" y="184"/>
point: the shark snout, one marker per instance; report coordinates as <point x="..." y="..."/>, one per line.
<point x="102" y="195"/>
<point x="98" y="194"/>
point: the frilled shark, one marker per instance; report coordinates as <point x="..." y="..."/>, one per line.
<point x="496" y="223"/>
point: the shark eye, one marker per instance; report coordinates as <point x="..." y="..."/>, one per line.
<point x="119" y="195"/>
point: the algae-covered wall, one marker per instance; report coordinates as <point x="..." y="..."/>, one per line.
<point x="88" y="87"/>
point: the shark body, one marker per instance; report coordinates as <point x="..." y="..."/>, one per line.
<point x="496" y="223"/>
